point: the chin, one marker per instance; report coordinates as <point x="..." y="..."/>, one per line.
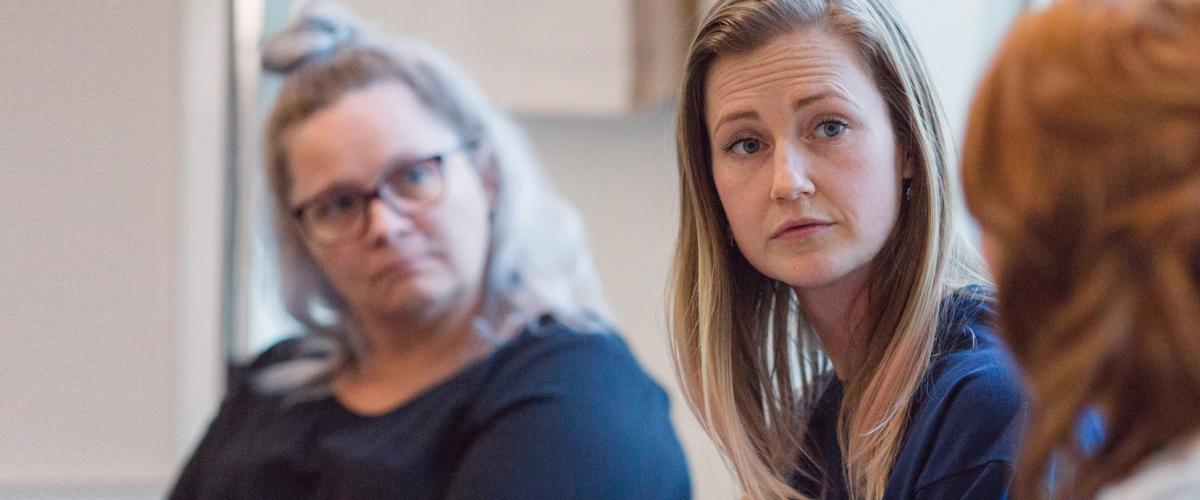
<point x="810" y="272"/>
<point x="812" y="281"/>
<point x="410" y="297"/>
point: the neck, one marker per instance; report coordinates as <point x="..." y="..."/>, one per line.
<point x="419" y="347"/>
<point x="838" y="315"/>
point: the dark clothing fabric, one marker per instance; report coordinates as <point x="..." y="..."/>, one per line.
<point x="965" y="422"/>
<point x="553" y="413"/>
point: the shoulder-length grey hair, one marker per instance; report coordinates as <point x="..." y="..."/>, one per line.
<point x="537" y="262"/>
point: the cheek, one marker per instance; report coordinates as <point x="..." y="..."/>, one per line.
<point x="870" y="191"/>
<point x="743" y="203"/>
<point x="460" y="227"/>
<point x="462" y="230"/>
<point x="993" y="253"/>
<point x="876" y="204"/>
<point x="737" y="220"/>
<point x="342" y="265"/>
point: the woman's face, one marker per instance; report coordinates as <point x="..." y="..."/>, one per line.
<point x="410" y="266"/>
<point x="804" y="158"/>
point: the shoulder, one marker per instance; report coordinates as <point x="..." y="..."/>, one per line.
<point x="275" y="375"/>
<point x="564" y="402"/>
<point x="553" y="358"/>
<point x="295" y="348"/>
<point x="972" y="376"/>
<point x="977" y="398"/>
<point x="587" y="381"/>
<point x="241" y="409"/>
<point x="554" y="339"/>
<point x="283" y="350"/>
<point x="972" y="406"/>
<point x="975" y="378"/>
<point x="971" y="364"/>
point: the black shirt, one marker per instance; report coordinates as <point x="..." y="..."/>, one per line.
<point x="964" y="425"/>
<point x="551" y="414"/>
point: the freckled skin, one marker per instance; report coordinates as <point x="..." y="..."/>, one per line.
<point x="799" y="130"/>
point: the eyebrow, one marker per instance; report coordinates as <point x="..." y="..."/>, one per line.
<point x="799" y="104"/>
<point x="735" y="117"/>
<point x="348" y="186"/>
<point x="820" y="96"/>
<point x="339" y="187"/>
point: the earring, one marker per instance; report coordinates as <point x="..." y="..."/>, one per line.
<point x="908" y="190"/>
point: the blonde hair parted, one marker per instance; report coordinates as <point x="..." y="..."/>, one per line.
<point x="1082" y="160"/>
<point x="746" y="357"/>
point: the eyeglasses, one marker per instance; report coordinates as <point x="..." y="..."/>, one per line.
<point x="408" y="187"/>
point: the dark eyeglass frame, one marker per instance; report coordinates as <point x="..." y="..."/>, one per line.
<point x="365" y="197"/>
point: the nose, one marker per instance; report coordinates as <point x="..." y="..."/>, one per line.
<point x="385" y="223"/>
<point x="790" y="175"/>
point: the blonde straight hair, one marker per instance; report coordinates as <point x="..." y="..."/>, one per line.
<point x="747" y="358"/>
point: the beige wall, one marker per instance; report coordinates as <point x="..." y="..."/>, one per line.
<point x="111" y="119"/>
<point x="88" y="207"/>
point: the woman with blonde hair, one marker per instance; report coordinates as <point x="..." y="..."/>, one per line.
<point x="1082" y="165"/>
<point x="830" y="325"/>
<point x="456" y="345"/>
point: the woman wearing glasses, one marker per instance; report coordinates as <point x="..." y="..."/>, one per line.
<point x="456" y="342"/>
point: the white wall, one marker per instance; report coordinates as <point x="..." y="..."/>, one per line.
<point x="956" y="38"/>
<point x="548" y="56"/>
<point x="108" y="257"/>
<point x="88" y="207"/>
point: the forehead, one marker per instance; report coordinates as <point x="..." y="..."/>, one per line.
<point x="386" y="115"/>
<point x="353" y="138"/>
<point x="809" y="58"/>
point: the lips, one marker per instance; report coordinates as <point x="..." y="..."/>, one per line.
<point x="799" y="227"/>
<point x="398" y="267"/>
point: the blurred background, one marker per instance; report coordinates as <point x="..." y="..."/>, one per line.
<point x="130" y="267"/>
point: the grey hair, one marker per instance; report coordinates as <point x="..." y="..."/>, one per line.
<point x="538" y="261"/>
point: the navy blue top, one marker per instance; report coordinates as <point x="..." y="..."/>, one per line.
<point x="964" y="424"/>
<point x="551" y="414"/>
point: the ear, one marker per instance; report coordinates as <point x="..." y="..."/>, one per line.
<point x="484" y="159"/>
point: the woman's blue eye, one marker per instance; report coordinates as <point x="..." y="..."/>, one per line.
<point x="415" y="175"/>
<point x="745" y="147"/>
<point x="831" y="129"/>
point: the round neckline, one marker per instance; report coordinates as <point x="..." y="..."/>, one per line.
<point x="463" y="376"/>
